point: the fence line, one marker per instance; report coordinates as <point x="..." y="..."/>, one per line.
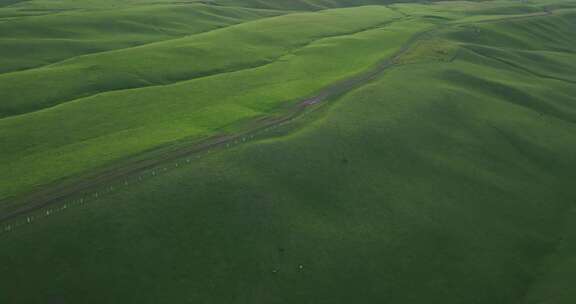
<point x="81" y="200"/>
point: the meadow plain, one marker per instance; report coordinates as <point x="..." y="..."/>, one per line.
<point x="446" y="178"/>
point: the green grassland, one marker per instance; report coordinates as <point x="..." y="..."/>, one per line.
<point x="36" y="41"/>
<point x="68" y="138"/>
<point x="234" y="48"/>
<point x="447" y="179"/>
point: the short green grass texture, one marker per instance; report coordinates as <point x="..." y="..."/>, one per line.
<point x="449" y="179"/>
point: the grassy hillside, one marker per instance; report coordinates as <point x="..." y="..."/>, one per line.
<point x="235" y="48"/>
<point x="85" y="109"/>
<point x="44" y="39"/>
<point x="447" y="179"/>
<point x="68" y="139"/>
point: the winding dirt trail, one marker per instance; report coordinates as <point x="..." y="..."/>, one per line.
<point x="129" y="170"/>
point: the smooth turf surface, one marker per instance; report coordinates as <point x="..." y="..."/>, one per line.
<point x="447" y="179"/>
